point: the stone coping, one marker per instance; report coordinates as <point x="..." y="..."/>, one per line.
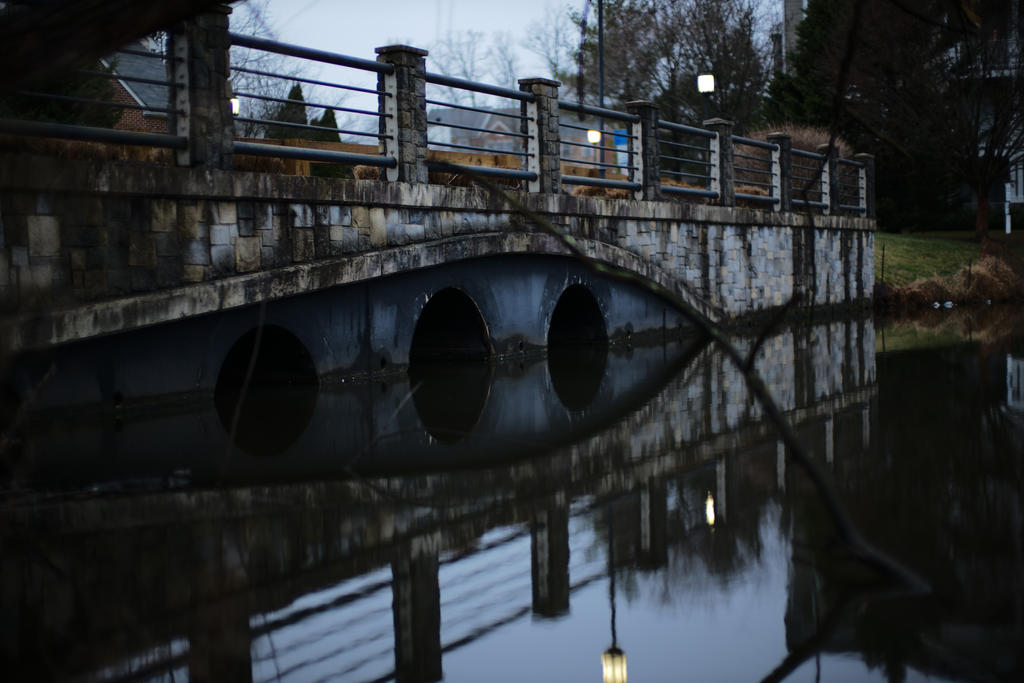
<point x="48" y="174"/>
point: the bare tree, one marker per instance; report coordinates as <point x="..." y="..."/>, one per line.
<point x="555" y="40"/>
<point x="250" y="69"/>
<point x="502" y="60"/>
<point x="654" y="49"/>
<point x="474" y="56"/>
<point x="460" y="55"/>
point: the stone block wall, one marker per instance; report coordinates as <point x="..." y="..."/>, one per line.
<point x="74" y="232"/>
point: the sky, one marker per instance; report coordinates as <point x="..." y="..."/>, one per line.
<point x="356" y="27"/>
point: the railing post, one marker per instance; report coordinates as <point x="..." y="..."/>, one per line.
<point x="541" y="124"/>
<point x="200" y="71"/>
<point x="723" y="174"/>
<point x="644" y="145"/>
<point x="403" y="110"/>
<point x="867" y="183"/>
<point x="830" y="179"/>
<point x="782" y="170"/>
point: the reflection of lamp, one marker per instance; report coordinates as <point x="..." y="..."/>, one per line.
<point x="613" y="666"/>
<point x="709" y="509"/>
<point x="613" y="661"/>
<point x="706" y="86"/>
<point x="235" y="106"/>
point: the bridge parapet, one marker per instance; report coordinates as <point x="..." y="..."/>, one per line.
<point x="82" y="237"/>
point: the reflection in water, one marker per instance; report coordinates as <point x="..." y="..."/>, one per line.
<point x="269" y="419"/>
<point x="576" y="372"/>
<point x="508" y="570"/>
<point x="450" y="396"/>
<point x="266" y="391"/>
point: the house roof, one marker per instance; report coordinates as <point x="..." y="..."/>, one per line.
<point x="132" y="65"/>
<point x="475" y="119"/>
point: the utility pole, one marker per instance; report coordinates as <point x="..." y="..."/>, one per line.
<point x="600" y="78"/>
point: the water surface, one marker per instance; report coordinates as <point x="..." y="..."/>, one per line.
<point x="519" y="521"/>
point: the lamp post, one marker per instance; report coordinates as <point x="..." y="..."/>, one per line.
<point x="706" y="86"/>
<point x="600" y="80"/>
<point x="613" y="660"/>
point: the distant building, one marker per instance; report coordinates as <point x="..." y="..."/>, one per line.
<point x="130" y="64"/>
<point x="792" y="14"/>
<point x="457" y="130"/>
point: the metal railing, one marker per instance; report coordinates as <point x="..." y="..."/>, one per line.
<point x="451" y="129"/>
<point x="607" y="160"/>
<point x="756" y="169"/>
<point x="515" y="139"/>
<point x="91" y="103"/>
<point x="851" y="185"/>
<point x="810" y="180"/>
<point x="687" y="160"/>
<point x="256" y="107"/>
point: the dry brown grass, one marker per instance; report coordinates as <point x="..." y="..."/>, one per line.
<point x="806" y="138"/>
<point x="607" y="192"/>
<point x="76" y="150"/>
<point x="994" y="278"/>
<point x="363" y="172"/>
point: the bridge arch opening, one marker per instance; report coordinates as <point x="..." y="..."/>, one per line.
<point x="452" y="385"/>
<point x="577" y="319"/>
<point x="275" y="404"/>
<point x="450" y="327"/>
<point x="577" y="348"/>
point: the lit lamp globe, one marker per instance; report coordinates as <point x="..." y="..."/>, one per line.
<point x="235" y="105"/>
<point x="706" y="83"/>
<point x="613" y="665"/>
<point x="593" y="136"/>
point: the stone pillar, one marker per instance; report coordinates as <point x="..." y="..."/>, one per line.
<point x="867" y="176"/>
<point x="831" y="181"/>
<point x="220" y="641"/>
<point x="780" y="466"/>
<point x="646" y="159"/>
<point x="549" y="561"/>
<point x="200" y="71"/>
<point x="782" y="167"/>
<point x="541" y="124"/>
<point x="653" y="552"/>
<point x="404" y="111"/>
<point x="417" y="612"/>
<point x="722" y="169"/>
<point x="830" y="440"/>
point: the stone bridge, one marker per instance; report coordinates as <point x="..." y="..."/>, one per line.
<point x="93" y="244"/>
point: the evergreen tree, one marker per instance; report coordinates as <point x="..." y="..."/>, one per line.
<point x="293" y="111"/>
<point x="71" y="84"/>
<point x="327" y="120"/>
<point x="880" y="76"/>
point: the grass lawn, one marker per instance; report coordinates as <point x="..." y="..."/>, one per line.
<point x="913" y="256"/>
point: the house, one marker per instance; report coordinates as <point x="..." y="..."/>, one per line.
<point x="135" y="69"/>
<point x="458" y="129"/>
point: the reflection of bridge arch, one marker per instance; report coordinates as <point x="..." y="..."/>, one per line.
<point x="258" y="367"/>
<point x="577" y="344"/>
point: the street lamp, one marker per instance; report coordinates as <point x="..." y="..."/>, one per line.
<point x="613" y="660"/>
<point x="593" y="136"/>
<point x="706" y="86"/>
